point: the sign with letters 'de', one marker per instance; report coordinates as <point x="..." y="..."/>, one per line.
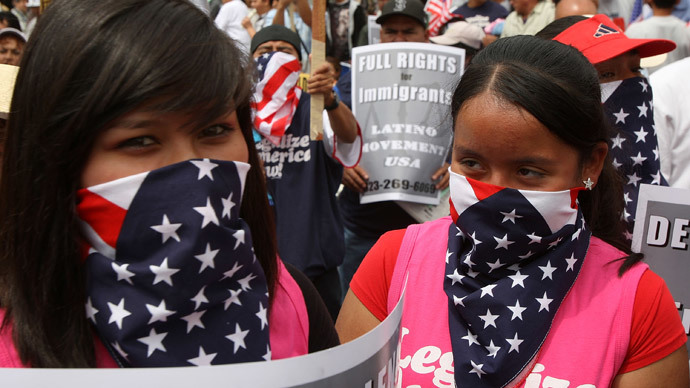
<point x="369" y="361"/>
<point x="401" y="96"/>
<point x="662" y="233"/>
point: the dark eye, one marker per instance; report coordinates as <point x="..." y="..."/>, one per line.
<point x="138" y="142"/>
<point x="606" y="75"/>
<point x="215" y="130"/>
<point x="529" y="173"/>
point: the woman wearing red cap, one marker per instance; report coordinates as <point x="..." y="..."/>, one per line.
<point x="626" y="95"/>
<point x="530" y="282"/>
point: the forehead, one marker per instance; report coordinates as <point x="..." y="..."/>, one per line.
<point x="628" y="58"/>
<point x="400" y="22"/>
<point x="10" y="39"/>
<point x="277" y="44"/>
<point x="494" y="127"/>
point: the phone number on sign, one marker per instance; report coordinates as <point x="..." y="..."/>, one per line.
<point x="420" y="187"/>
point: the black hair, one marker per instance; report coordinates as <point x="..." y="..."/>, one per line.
<point x="10" y="19"/>
<point x="111" y="57"/>
<point x="664" y="4"/>
<point x="559" y="25"/>
<point x="557" y="85"/>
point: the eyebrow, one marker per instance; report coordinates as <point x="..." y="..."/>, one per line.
<point x="536" y="160"/>
<point x="135" y="123"/>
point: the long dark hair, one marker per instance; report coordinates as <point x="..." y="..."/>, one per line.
<point x="557" y="85"/>
<point x="88" y="62"/>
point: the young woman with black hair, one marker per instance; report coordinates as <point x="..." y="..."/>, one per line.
<point x="529" y="283"/>
<point x="136" y="229"/>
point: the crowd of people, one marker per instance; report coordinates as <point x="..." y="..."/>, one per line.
<point x="164" y="204"/>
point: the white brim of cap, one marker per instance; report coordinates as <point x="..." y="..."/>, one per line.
<point x="654" y="60"/>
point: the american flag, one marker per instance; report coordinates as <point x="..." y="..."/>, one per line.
<point x="512" y="257"/>
<point x="440" y="15"/>
<point x="634" y="148"/>
<point x="276" y="95"/>
<point x="172" y="277"/>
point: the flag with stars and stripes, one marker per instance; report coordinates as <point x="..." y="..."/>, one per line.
<point x="276" y="94"/>
<point x="512" y="257"/>
<point x="634" y="148"/>
<point x="172" y="279"/>
<point x="440" y="15"/>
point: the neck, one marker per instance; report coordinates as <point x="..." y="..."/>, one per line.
<point x="661" y="11"/>
<point x="475" y="3"/>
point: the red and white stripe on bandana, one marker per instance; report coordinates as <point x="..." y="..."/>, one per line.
<point x="512" y="257"/>
<point x="276" y="95"/>
<point x="440" y="15"/>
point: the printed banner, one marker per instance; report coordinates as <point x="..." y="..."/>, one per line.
<point x="662" y="233"/>
<point x="401" y="96"/>
<point x="367" y="362"/>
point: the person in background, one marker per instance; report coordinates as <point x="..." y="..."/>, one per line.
<point x="671" y="85"/>
<point x="626" y="96"/>
<point x="34" y="7"/>
<point x="401" y="21"/>
<point x="302" y="175"/>
<point x="255" y="20"/>
<point x="155" y="187"/>
<point x="528" y="17"/>
<point x="462" y="35"/>
<point x="8" y="76"/>
<point x="21" y="11"/>
<point x="344" y="22"/>
<point x="482" y="13"/>
<point x="229" y="20"/>
<point x="295" y="15"/>
<point x="575" y="7"/>
<point x="12" y="43"/>
<point x="7" y="19"/>
<point x="663" y="25"/>
<point x="530" y="278"/>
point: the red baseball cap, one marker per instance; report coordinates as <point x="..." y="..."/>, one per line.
<point x="600" y="39"/>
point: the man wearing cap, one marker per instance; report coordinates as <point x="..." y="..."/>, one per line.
<point x="303" y="176"/>
<point x="401" y="21"/>
<point x="12" y="43"/>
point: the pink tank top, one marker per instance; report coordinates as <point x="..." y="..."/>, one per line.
<point x="588" y="340"/>
<point x="288" y="322"/>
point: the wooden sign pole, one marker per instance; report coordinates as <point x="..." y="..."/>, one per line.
<point x="318" y="57"/>
<point x="44" y="4"/>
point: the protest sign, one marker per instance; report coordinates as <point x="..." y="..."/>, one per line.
<point x="374" y="30"/>
<point x="423" y="213"/>
<point x="401" y="95"/>
<point x="662" y="233"/>
<point x="369" y="361"/>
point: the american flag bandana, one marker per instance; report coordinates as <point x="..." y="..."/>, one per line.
<point x="276" y="95"/>
<point x="634" y="148"/>
<point x="172" y="277"/>
<point x="512" y="257"/>
<point x="440" y="15"/>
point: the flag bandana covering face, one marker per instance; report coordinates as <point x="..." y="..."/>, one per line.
<point x="634" y="149"/>
<point x="172" y="277"/>
<point x="276" y="95"/>
<point x="512" y="257"/>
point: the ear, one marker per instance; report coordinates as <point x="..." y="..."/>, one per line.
<point x="595" y="163"/>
